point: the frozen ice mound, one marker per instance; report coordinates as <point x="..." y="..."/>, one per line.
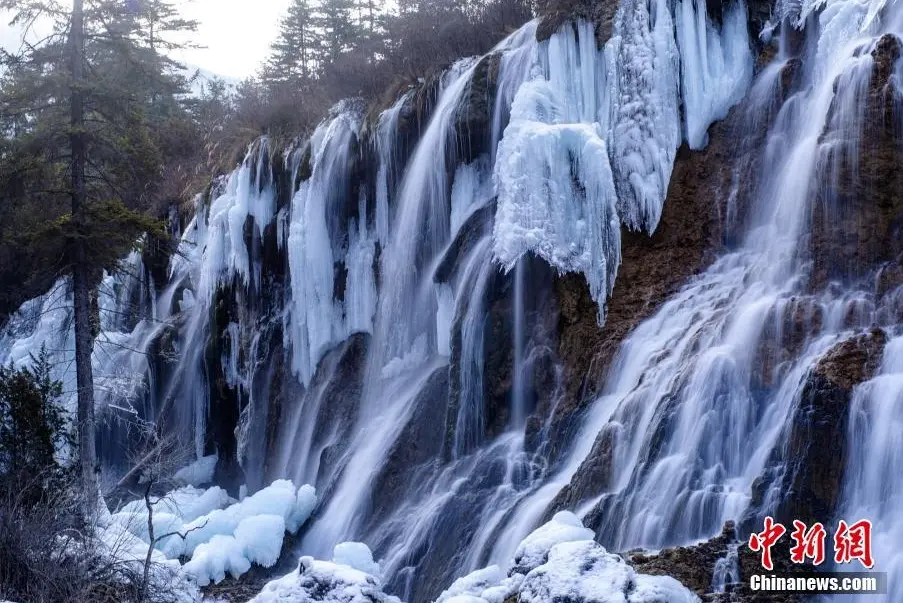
<point x="327" y="582"/>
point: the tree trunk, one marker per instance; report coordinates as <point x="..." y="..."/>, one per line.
<point x="81" y="271"/>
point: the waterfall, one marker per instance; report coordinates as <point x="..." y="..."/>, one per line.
<point x="875" y="417"/>
<point x="374" y="310"/>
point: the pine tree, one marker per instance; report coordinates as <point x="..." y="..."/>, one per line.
<point x="338" y="31"/>
<point x="90" y="108"/>
<point x="293" y="55"/>
<point x="33" y="424"/>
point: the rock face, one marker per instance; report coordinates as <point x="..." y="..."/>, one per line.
<point x="858" y="216"/>
<point x="809" y="472"/>
<point x="689" y="235"/>
<point x="695" y="566"/>
<point x="419" y="442"/>
<point x="556" y="13"/>
<point x="594" y="475"/>
<point x="343" y="389"/>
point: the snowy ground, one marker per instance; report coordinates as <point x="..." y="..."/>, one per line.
<point x="219" y="536"/>
<point x="557" y="562"/>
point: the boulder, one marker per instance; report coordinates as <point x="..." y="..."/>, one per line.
<point x="808" y="471"/>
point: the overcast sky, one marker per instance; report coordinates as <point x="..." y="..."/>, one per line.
<point x="236" y="33"/>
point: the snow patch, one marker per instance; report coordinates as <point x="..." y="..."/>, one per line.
<point x="585" y="571"/>
<point x="356" y="555"/>
<point x="564" y="527"/>
<point x="197" y="473"/>
<point x="326" y="582"/>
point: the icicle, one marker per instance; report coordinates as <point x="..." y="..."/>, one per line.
<point x="556" y="193"/>
<point x="316" y="320"/>
<point x="646" y="123"/>
<point x="716" y="66"/>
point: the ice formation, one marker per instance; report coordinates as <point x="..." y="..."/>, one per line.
<point x="130" y="320"/>
<point x="318" y="239"/>
<point x="324" y="581"/>
<point x="716" y="66"/>
<point x="646" y="121"/>
<point x="556" y="193"/>
<point x="593" y="133"/>
<point x="198" y="473"/>
<point x="356" y="555"/>
<point x="220" y="538"/>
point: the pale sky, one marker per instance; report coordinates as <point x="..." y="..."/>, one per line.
<point x="236" y="33"/>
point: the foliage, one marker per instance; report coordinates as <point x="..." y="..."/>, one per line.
<point x="48" y="554"/>
<point x="33" y="427"/>
<point x="328" y="50"/>
<point x="143" y="142"/>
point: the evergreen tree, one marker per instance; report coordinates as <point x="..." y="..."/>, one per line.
<point x="90" y="109"/>
<point x="33" y="425"/>
<point x="293" y="54"/>
<point x="339" y="33"/>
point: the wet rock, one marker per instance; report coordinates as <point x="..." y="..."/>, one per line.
<point x="694" y="567"/>
<point x="419" y="443"/>
<point x="555" y="14"/>
<point x="224" y="406"/>
<point x="857" y="217"/>
<point x="758" y="13"/>
<point x="434" y="560"/>
<point x="808" y="471"/>
<point x="473" y="118"/>
<point x="688" y="238"/>
<point x="540" y="377"/>
<point x="594" y="475"/>
<point x="338" y="416"/>
<point x="786" y="331"/>
<point x="853" y="361"/>
<point x="477" y="226"/>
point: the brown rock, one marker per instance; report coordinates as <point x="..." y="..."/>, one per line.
<point x="689" y="235"/>
<point x="856" y="217"/>
<point x="555" y="14"/>
<point x="693" y="566"/>
<point x="808" y="471"/>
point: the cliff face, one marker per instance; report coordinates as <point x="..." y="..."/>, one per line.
<point x="856" y="217"/>
<point x="416" y="309"/>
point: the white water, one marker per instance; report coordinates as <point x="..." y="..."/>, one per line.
<point x="872" y="490"/>
<point x="582" y="141"/>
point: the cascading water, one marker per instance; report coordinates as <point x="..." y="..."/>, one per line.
<point x="875" y="419"/>
<point x="375" y="317"/>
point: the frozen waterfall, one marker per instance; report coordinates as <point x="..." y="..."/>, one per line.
<point x="374" y="310"/>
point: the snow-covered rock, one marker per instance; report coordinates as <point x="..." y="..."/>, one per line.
<point x="484" y="585"/>
<point x="564" y="527"/>
<point x="559" y="561"/>
<point x="197" y="473"/>
<point x="356" y="555"/>
<point x="325" y="582"/>
<point x="583" y="571"/>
